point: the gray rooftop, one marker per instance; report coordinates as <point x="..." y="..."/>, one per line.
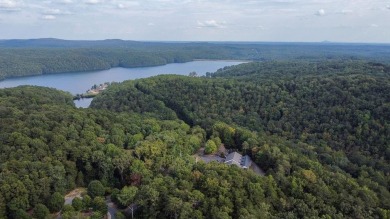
<point x="246" y="162"/>
<point x="234" y="158"/>
<point x="239" y="160"/>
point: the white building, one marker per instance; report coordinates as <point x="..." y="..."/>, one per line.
<point x="239" y="160"/>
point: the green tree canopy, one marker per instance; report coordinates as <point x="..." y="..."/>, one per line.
<point x="95" y="188"/>
<point x="55" y="202"/>
<point x="41" y="211"/>
<point x="210" y="147"/>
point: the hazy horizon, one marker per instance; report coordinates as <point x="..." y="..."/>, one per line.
<point x="203" y="41"/>
<point x="338" y="21"/>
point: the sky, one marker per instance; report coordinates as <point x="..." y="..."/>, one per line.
<point x="198" y="20"/>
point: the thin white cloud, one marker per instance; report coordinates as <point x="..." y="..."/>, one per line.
<point x="66" y="2"/>
<point x="55" y="11"/>
<point x="10" y="5"/>
<point x="374" y="25"/>
<point x="346" y="11"/>
<point x="320" y="12"/>
<point x="49" y="17"/>
<point x="211" y="24"/>
<point x="125" y="4"/>
<point x="254" y="20"/>
<point x="93" y="2"/>
<point x="260" y="27"/>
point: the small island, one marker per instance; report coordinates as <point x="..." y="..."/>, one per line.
<point x="93" y="91"/>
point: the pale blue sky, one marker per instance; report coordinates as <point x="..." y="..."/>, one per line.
<point x="198" y="20"/>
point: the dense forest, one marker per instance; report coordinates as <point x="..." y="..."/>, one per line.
<point x="45" y="56"/>
<point x="320" y="130"/>
<point x="332" y="113"/>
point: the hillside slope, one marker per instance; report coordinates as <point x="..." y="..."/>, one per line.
<point x="321" y="137"/>
<point x="337" y="118"/>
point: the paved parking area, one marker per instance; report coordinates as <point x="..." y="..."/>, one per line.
<point x="210" y="158"/>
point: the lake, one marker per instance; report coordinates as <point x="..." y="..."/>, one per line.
<point x="80" y="82"/>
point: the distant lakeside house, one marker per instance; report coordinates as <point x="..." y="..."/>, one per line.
<point x="91" y="93"/>
<point x="98" y="88"/>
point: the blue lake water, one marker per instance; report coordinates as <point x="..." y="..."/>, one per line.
<point x="80" y="82"/>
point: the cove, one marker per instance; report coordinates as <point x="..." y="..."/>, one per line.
<point x="80" y="82"/>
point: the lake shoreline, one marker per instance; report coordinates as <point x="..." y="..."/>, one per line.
<point x="225" y="60"/>
<point x="112" y="67"/>
<point x="55" y="73"/>
<point x="80" y="82"/>
<point x="93" y="92"/>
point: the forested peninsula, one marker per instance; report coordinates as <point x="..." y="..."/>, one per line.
<point x="46" y="56"/>
<point x="318" y="127"/>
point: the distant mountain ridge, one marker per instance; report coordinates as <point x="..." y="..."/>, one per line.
<point x="22" y="57"/>
<point x="60" y="43"/>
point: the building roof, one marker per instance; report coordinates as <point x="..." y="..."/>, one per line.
<point x="239" y="160"/>
<point x="246" y="162"/>
<point x="234" y="158"/>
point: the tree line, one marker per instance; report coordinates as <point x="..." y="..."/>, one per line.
<point x="46" y="56"/>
